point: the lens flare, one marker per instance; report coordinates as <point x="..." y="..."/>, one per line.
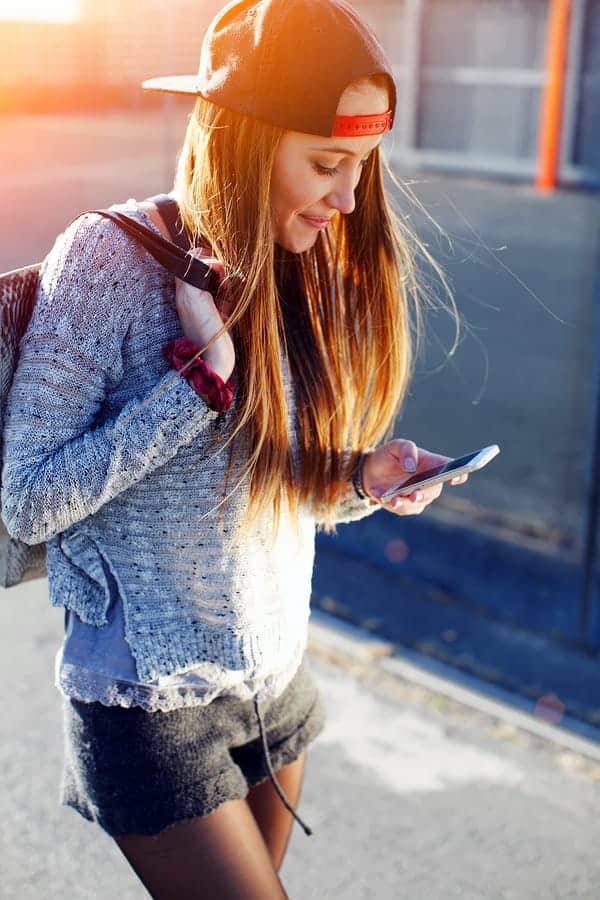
<point x="39" y="10"/>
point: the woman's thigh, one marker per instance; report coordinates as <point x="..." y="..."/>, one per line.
<point x="274" y="820"/>
<point x="222" y="855"/>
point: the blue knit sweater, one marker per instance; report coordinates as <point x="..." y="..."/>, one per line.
<point x="112" y="458"/>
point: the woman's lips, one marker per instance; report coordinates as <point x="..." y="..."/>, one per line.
<point x="316" y="221"/>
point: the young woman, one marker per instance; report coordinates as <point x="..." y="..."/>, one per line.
<point x="188" y="701"/>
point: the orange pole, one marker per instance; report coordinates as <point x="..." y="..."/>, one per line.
<point x="552" y="100"/>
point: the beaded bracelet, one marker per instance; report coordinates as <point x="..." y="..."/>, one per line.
<point x="205" y="381"/>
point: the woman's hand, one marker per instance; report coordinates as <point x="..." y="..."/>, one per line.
<point x="385" y="467"/>
<point x="201" y="320"/>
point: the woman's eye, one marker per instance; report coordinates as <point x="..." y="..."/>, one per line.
<point x="323" y="170"/>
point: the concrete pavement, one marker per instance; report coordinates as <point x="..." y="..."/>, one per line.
<point x="410" y="792"/>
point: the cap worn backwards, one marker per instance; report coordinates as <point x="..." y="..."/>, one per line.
<point x="287" y="62"/>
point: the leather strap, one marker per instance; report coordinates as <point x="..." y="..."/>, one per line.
<point x="171" y="255"/>
<point x="169" y="211"/>
<point x="351" y="126"/>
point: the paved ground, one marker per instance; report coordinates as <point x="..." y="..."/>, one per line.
<point x="410" y="794"/>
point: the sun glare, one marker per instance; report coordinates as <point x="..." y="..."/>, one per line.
<point x="39" y="10"/>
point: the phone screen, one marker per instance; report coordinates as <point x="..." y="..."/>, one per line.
<point x="441" y="469"/>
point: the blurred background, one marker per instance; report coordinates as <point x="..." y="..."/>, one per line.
<point x="498" y="136"/>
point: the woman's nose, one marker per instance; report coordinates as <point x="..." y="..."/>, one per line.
<point x="342" y="198"/>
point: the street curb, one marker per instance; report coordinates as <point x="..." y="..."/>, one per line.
<point x="345" y="644"/>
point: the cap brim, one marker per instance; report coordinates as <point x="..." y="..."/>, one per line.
<point x="173" y="84"/>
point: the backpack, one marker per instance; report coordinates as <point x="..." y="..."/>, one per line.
<point x="20" y="562"/>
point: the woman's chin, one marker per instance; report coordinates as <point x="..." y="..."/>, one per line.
<point x="297" y="243"/>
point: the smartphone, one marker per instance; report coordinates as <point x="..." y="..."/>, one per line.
<point x="438" y="474"/>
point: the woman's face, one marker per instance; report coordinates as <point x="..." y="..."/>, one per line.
<point x="314" y="178"/>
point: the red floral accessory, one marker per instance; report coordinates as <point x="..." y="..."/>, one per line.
<point x="204" y="380"/>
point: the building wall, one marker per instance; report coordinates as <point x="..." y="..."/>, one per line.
<point x="587" y="149"/>
<point x="114" y="43"/>
<point x="35" y="54"/>
<point x="477" y="76"/>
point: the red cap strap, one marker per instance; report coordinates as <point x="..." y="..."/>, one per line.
<point x="355" y="126"/>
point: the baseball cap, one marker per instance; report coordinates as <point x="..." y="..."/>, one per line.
<point x="287" y="62"/>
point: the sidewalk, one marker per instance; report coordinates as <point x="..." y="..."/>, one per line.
<point x="410" y="792"/>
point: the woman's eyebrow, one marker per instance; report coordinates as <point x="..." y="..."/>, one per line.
<point x="336" y="150"/>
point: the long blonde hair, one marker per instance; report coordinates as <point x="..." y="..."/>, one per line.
<point x="347" y="336"/>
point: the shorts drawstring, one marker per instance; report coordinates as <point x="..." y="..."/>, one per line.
<point x="276" y="785"/>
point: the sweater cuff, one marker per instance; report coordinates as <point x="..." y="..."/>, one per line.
<point x="205" y="381"/>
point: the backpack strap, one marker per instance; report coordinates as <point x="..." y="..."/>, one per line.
<point x="171" y="256"/>
<point x="169" y="211"/>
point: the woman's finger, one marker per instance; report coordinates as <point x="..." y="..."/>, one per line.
<point x="208" y="259"/>
<point x="402" y="449"/>
<point x="222" y="302"/>
<point x="402" y="506"/>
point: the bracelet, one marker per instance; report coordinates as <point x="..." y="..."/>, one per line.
<point x="205" y="381"/>
<point x="357" y="479"/>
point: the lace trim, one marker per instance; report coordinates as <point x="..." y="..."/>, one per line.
<point x="89" y="687"/>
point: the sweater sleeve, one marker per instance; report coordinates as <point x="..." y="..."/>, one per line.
<point x="58" y="464"/>
<point x="349" y="507"/>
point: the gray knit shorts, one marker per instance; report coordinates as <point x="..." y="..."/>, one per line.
<point x="135" y="772"/>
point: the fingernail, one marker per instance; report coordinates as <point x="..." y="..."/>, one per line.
<point x="410" y="465"/>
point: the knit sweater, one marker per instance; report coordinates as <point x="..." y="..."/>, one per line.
<point x="115" y="461"/>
